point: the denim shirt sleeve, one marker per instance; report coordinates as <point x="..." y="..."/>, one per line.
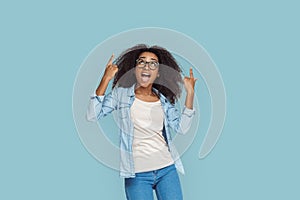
<point x="100" y="106"/>
<point x="180" y="122"/>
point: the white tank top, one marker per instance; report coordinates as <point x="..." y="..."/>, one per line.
<point x="150" y="150"/>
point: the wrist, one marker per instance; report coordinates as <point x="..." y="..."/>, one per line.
<point x="106" y="78"/>
<point x="190" y="92"/>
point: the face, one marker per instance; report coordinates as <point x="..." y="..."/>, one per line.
<point x="146" y="70"/>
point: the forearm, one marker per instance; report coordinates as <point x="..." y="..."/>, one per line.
<point x="189" y="100"/>
<point x="102" y="86"/>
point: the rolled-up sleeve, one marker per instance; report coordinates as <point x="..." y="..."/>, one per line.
<point x="180" y="122"/>
<point x="100" y="106"/>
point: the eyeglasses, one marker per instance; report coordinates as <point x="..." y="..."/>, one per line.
<point x="140" y="63"/>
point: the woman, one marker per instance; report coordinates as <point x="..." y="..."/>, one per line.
<point x="147" y="83"/>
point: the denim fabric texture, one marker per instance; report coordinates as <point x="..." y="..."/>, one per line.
<point x="120" y="99"/>
<point x="165" y="182"/>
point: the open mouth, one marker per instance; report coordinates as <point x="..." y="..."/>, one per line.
<point x="145" y="77"/>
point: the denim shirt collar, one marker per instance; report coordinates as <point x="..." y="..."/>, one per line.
<point x="130" y="91"/>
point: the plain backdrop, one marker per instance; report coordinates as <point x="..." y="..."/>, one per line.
<point x="255" y="45"/>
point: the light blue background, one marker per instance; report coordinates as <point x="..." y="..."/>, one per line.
<point x="255" y="45"/>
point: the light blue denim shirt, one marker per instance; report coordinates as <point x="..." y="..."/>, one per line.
<point x="120" y="99"/>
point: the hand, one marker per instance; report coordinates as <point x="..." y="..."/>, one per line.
<point x="109" y="74"/>
<point x="189" y="82"/>
<point x="111" y="69"/>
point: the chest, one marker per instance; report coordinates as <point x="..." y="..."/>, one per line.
<point x="147" y="114"/>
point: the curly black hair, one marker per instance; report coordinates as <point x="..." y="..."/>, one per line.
<point x="169" y="81"/>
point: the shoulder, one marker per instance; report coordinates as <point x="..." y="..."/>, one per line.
<point x="165" y="102"/>
<point x="119" y="89"/>
<point x="122" y="92"/>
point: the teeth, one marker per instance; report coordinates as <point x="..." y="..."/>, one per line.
<point x="145" y="74"/>
<point x="145" y="77"/>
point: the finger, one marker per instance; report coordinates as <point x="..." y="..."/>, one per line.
<point x="191" y="73"/>
<point x="115" y="66"/>
<point x="110" y="60"/>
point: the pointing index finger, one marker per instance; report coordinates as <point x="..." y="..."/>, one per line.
<point x="110" y="60"/>
<point x="191" y="73"/>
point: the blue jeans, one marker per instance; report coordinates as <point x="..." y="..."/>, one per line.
<point x="164" y="181"/>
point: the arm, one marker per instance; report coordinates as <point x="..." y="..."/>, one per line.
<point x="100" y="104"/>
<point x="181" y="123"/>
<point x="109" y="74"/>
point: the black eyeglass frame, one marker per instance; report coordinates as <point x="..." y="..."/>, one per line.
<point x="153" y="65"/>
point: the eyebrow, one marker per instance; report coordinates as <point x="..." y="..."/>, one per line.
<point x="150" y="58"/>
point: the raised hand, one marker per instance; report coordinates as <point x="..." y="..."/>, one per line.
<point x="189" y="82"/>
<point x="111" y="69"/>
<point x="109" y="74"/>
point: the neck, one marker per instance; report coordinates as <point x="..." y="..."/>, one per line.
<point x="144" y="90"/>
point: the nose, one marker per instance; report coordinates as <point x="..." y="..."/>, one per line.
<point x="147" y="65"/>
